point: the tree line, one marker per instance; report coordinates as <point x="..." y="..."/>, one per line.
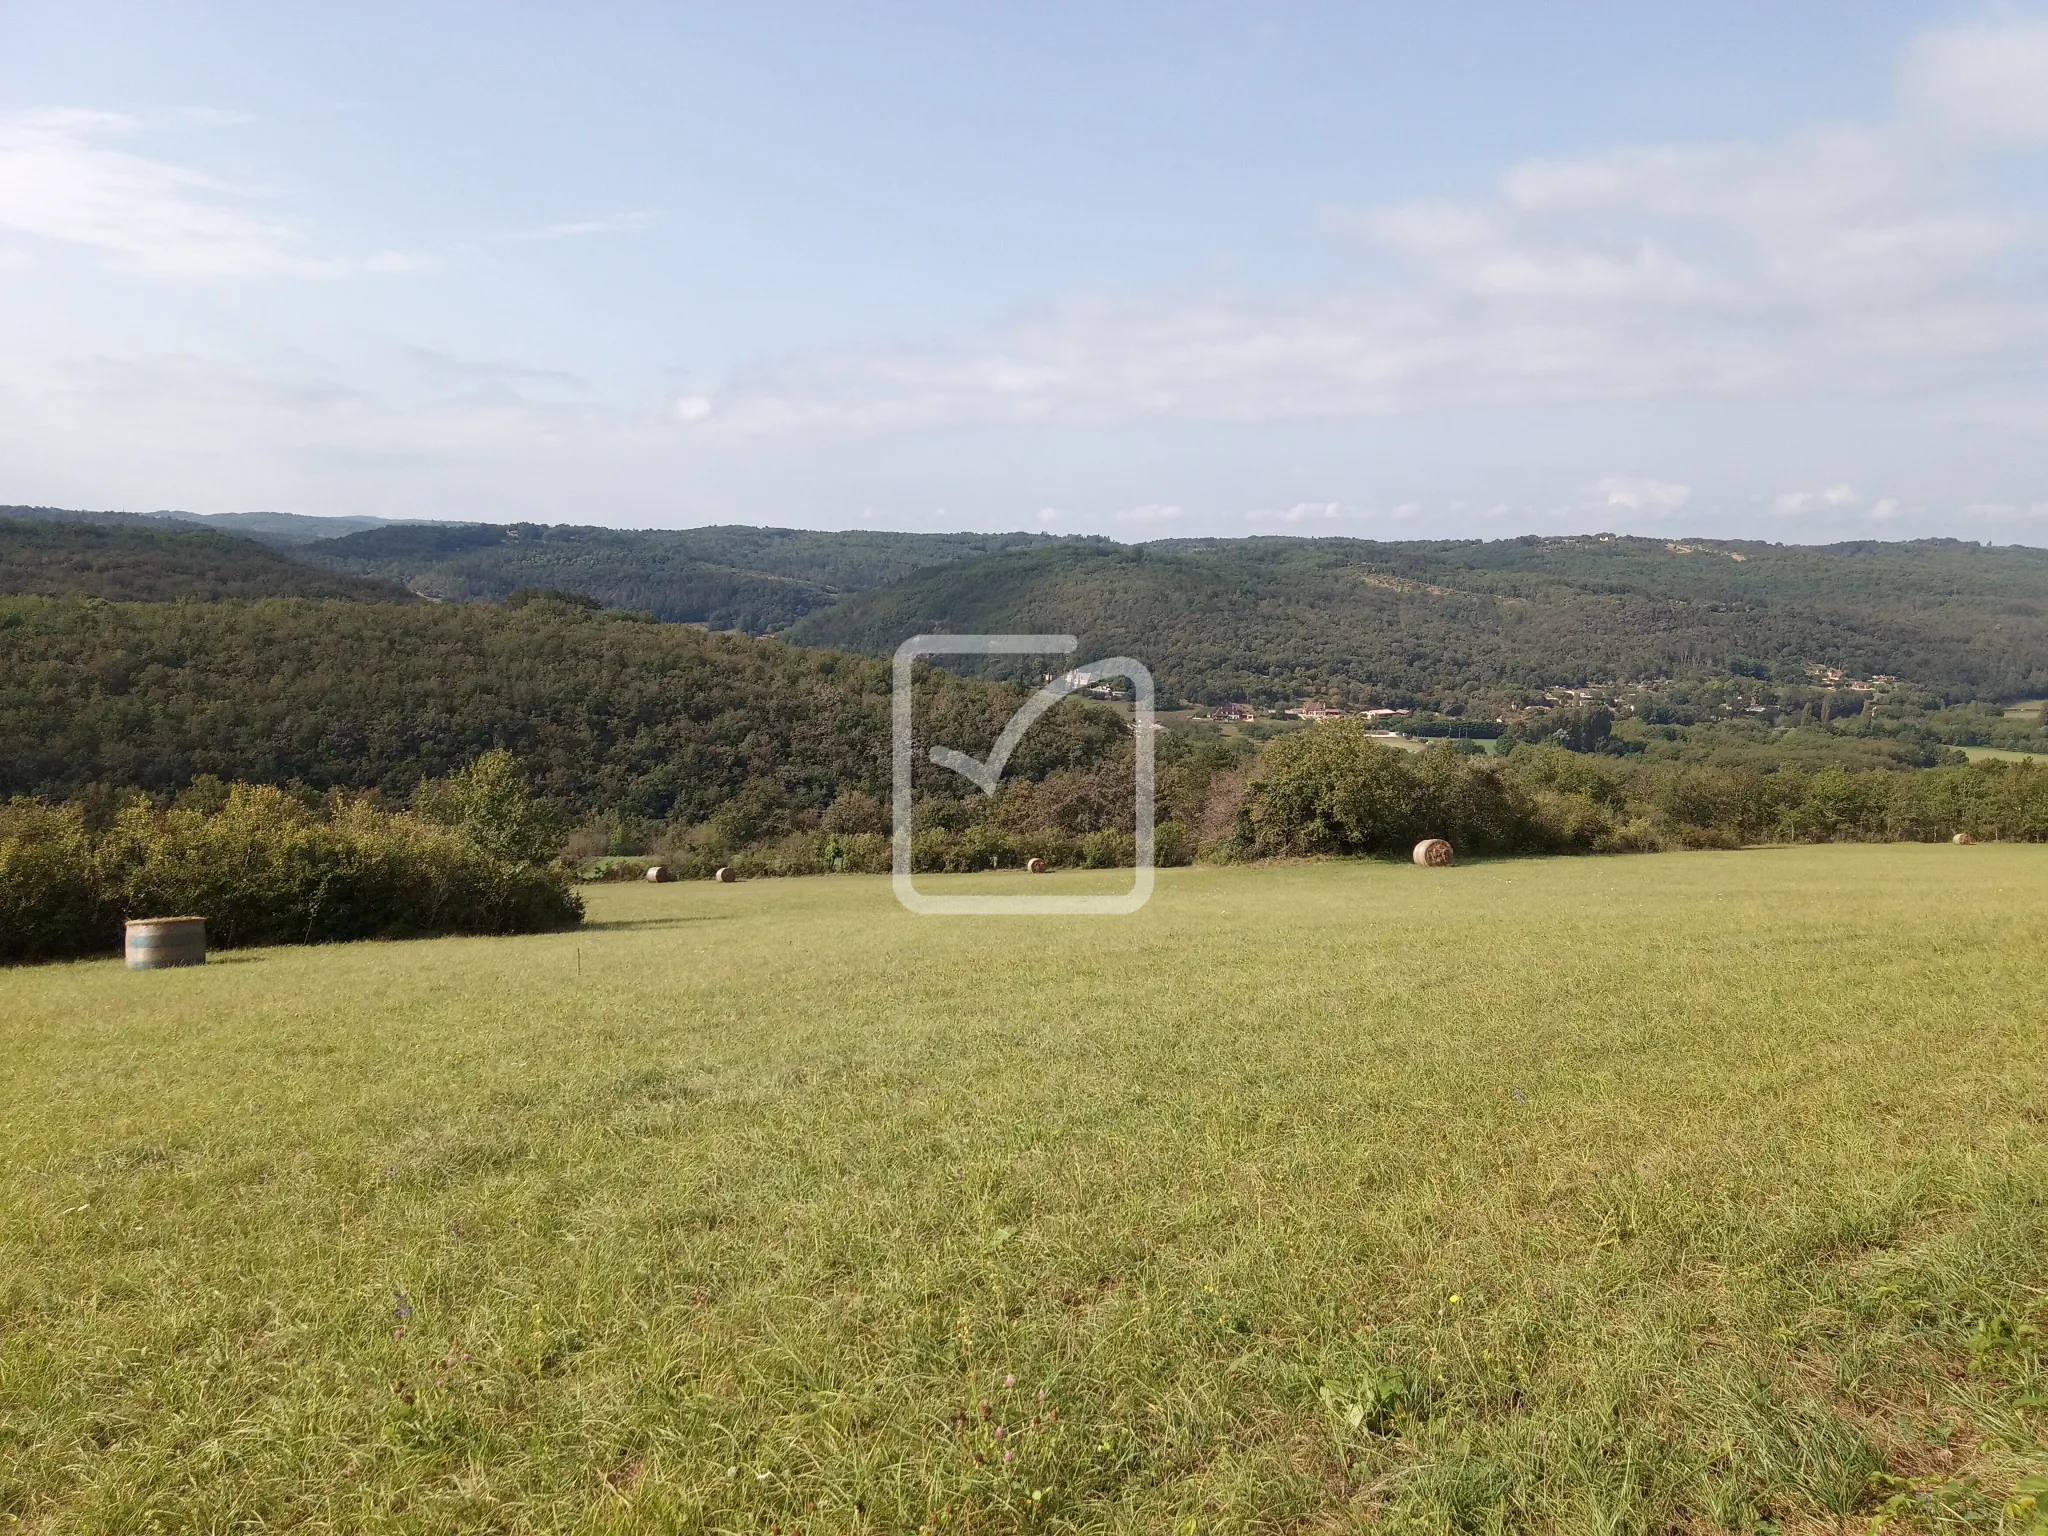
<point x="477" y="854"/>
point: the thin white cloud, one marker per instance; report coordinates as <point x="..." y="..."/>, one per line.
<point x="620" y="223"/>
<point x="1300" y="512"/>
<point x="1981" y="83"/>
<point x="1641" y="494"/>
<point x="1849" y="258"/>
<point x="1836" y="498"/>
<point x="217" y="117"/>
<point x="1151" y="513"/>
<point x="450" y="368"/>
<point x="62" y="178"/>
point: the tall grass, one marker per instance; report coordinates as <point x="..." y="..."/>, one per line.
<point x="1695" y="1191"/>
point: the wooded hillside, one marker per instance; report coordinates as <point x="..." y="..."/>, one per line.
<point x="608" y="712"/>
<point x="1278" y="618"/>
<point x="758" y="580"/>
<point x="144" y="560"/>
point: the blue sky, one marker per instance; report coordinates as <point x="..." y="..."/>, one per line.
<point x="1397" y="271"/>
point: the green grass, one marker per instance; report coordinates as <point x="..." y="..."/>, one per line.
<point x="1682" y="1191"/>
<point x="2000" y="754"/>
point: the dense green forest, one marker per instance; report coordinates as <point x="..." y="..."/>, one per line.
<point x="610" y="713"/>
<point x="282" y="529"/>
<point x="758" y="580"/>
<point x="1479" y="628"/>
<point x="709" y="748"/>
<point x="1279" y="618"/>
<point x="138" y="560"/>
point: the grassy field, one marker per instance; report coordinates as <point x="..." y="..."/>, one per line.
<point x="1690" y="1191"/>
<point x="1999" y="754"/>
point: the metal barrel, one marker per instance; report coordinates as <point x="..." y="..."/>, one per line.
<point x="155" y="943"/>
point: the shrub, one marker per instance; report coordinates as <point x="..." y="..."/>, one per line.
<point x="490" y="802"/>
<point x="53" y="901"/>
<point x="1335" y="790"/>
<point x="1108" y="849"/>
<point x="1172" y="844"/>
<point x="264" y="868"/>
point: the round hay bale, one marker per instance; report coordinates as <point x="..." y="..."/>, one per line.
<point x="157" y="943"/>
<point x="724" y="876"/>
<point x="1034" y="866"/>
<point x="657" y="874"/>
<point x="1433" y="853"/>
<point x="1962" y="839"/>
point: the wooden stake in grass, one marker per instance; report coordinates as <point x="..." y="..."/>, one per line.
<point x="1433" y="853"/>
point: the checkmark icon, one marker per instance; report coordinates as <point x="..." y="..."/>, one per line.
<point x="988" y="773"/>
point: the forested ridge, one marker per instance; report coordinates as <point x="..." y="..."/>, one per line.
<point x="1466" y="624"/>
<point x="282" y="530"/>
<point x="758" y="580"/>
<point x="1278" y="618"/>
<point x="147" y="560"/>
<point x="608" y="712"/>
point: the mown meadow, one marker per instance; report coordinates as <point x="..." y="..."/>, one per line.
<point x="1684" y="1191"/>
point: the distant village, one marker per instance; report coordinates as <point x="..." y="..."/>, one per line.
<point x="1620" y="697"/>
<point x="1314" y="709"/>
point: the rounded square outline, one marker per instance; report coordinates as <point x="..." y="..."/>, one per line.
<point x="901" y="764"/>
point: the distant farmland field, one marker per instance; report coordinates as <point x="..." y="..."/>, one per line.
<point x="1683" y="1191"/>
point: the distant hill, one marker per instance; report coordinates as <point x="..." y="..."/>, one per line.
<point x="286" y="530"/>
<point x="148" y="560"/>
<point x="281" y="529"/>
<point x="1279" y="618"/>
<point x="1484" y="624"/>
<point x="759" y="580"/>
<point x="608" y="712"/>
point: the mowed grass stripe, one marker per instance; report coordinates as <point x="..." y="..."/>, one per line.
<point x="739" y="1208"/>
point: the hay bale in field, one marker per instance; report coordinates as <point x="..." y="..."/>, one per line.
<point x="657" y="874"/>
<point x="1433" y="853"/>
<point x="724" y="876"/>
<point x="1962" y="839"/>
<point x="1035" y="866"/>
<point x="158" y="943"/>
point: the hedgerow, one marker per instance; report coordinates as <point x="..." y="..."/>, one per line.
<point x="1334" y="790"/>
<point x="262" y="867"/>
